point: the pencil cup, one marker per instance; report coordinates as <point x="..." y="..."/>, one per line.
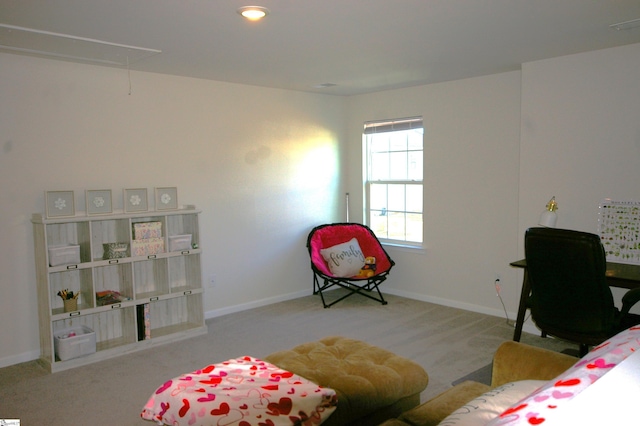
<point x="70" y="305"/>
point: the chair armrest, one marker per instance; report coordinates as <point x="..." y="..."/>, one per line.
<point x="514" y="361"/>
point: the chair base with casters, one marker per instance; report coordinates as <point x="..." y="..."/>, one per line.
<point x="325" y="237"/>
<point x="569" y="297"/>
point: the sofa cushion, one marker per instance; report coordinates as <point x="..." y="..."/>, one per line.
<point x="366" y="378"/>
<point x="436" y="409"/>
<point x="512" y="363"/>
<point x="487" y="406"/>
<point x="393" y="422"/>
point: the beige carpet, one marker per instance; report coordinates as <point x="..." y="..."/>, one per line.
<point x="449" y="343"/>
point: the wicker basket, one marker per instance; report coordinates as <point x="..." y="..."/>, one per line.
<point x="70" y="305"/>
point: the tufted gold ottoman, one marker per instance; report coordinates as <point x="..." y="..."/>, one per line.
<point x="372" y="384"/>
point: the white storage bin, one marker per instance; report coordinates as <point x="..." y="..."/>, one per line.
<point x="74" y="342"/>
<point x="180" y="242"/>
<point x="64" y="255"/>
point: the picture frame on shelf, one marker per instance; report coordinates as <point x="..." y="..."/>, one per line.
<point x="98" y="201"/>
<point x="136" y="200"/>
<point x="167" y="198"/>
<point x="60" y="204"/>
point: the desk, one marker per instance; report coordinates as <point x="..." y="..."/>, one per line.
<point x="618" y="275"/>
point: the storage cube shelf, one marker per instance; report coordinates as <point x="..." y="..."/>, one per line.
<point x="168" y="283"/>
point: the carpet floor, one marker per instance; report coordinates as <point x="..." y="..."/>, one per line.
<point x="449" y="343"/>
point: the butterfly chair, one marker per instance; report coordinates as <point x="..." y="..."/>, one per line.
<point x="347" y="255"/>
<point x="570" y="298"/>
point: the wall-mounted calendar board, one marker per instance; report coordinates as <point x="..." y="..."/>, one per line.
<point x="619" y="229"/>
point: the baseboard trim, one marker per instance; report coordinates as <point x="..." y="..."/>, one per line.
<point x="528" y="326"/>
<point x="20" y="358"/>
<point x="255" y="304"/>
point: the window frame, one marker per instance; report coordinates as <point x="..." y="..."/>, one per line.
<point x="386" y="126"/>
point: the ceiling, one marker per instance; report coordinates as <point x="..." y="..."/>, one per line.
<point x="351" y="46"/>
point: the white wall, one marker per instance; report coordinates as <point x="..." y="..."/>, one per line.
<point x="262" y="164"/>
<point x="266" y="165"/>
<point x="496" y="149"/>
<point x="472" y="133"/>
<point x="580" y="136"/>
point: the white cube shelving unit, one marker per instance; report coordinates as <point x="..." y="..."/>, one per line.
<point x="168" y="284"/>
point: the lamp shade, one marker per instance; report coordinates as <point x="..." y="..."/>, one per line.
<point x="549" y="217"/>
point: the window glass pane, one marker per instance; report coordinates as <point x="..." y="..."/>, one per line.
<point x="396" y="197"/>
<point x="379" y="143"/>
<point x="414" y="198"/>
<point x="378" y="224"/>
<point x="415" y="139"/>
<point x="398" y="141"/>
<point x="414" y="171"/>
<point x="378" y="195"/>
<point x="379" y="166"/>
<point x="396" y="226"/>
<point x="414" y="227"/>
<point x="398" y="165"/>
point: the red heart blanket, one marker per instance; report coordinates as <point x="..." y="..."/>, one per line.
<point x="240" y="392"/>
<point x="546" y="402"/>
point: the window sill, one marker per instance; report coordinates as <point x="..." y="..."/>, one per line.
<point x="405" y="247"/>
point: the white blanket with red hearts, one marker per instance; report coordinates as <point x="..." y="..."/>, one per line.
<point x="539" y="407"/>
<point x="241" y="392"/>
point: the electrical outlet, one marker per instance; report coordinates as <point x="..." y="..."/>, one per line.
<point x="212" y="280"/>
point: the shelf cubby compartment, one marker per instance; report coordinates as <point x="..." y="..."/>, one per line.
<point x="175" y="315"/>
<point x="184" y="273"/>
<point x="73" y="280"/>
<point x="70" y="233"/>
<point x="108" y="231"/>
<point x="148" y="242"/>
<point x="183" y="224"/>
<point x="150" y="278"/>
<point x="113" y="327"/>
<point x="118" y="278"/>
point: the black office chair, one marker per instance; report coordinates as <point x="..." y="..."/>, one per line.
<point x="570" y="298"/>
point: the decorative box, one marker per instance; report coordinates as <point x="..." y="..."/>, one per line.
<point x="74" y="342"/>
<point x="144" y="230"/>
<point x="180" y="242"/>
<point x="147" y="246"/>
<point x="64" y="255"/>
<point x="115" y="250"/>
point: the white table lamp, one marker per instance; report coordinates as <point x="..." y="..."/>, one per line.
<point x="549" y="216"/>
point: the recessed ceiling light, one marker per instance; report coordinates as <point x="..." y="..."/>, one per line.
<point x="627" y="25"/>
<point x="253" y="13"/>
<point x="324" y="85"/>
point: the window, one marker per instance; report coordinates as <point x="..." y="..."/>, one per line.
<point x="393" y="180"/>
